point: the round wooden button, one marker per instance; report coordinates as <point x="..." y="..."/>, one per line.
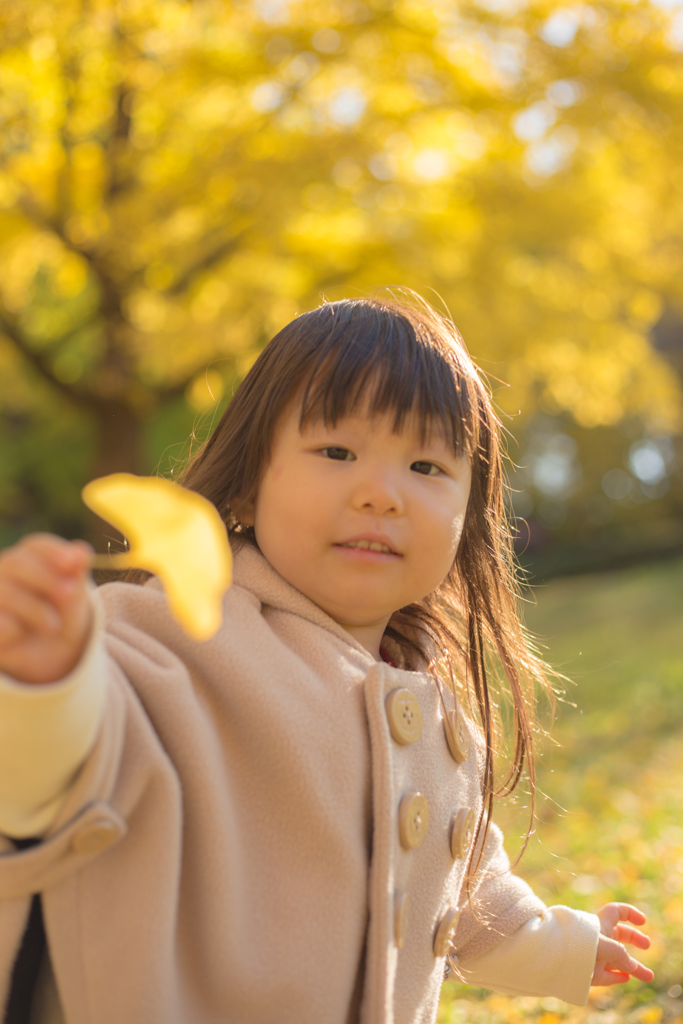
<point x="413" y="820"/>
<point x="404" y="715"/>
<point x="401" y="906"/>
<point x="445" y="933"/>
<point x="457" y="736"/>
<point x="463" y="830"/>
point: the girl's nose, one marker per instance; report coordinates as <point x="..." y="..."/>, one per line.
<point x="379" y="496"/>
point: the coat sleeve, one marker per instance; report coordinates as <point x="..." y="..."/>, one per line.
<point x="550" y="955"/>
<point x="498" y="904"/>
<point x="46" y="734"/>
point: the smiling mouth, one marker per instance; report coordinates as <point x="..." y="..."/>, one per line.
<point x="368" y="545"/>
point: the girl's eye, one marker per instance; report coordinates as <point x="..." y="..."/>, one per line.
<point x="426" y="468"/>
<point x="339" y="454"/>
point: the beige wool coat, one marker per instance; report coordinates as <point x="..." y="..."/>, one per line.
<point x="232" y="851"/>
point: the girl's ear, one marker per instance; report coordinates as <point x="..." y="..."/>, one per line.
<point x="243" y="510"/>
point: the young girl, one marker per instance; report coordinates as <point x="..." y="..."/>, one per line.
<point x="290" y="822"/>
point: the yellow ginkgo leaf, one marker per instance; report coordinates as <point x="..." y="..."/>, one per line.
<point x="174" y="533"/>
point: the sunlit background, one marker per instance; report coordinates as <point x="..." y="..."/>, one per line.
<point x="180" y="179"/>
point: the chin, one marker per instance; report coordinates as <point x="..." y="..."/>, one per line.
<point x="359" y="619"/>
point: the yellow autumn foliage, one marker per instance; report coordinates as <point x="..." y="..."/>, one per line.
<point x="177" y="180"/>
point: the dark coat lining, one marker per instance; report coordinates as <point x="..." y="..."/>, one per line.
<point x="28" y="961"/>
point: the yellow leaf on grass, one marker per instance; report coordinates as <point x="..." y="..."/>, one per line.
<point x="174" y="533"/>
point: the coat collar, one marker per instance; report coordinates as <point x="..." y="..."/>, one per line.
<point x="254" y="573"/>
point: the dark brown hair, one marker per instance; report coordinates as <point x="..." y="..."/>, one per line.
<point x="390" y="357"/>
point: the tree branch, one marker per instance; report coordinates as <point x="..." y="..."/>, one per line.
<point x="41" y="365"/>
<point x="205" y="263"/>
<point x="119" y="135"/>
<point x="109" y="289"/>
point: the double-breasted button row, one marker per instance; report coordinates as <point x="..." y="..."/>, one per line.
<point x="404" y="716"/>
<point x="413" y="822"/>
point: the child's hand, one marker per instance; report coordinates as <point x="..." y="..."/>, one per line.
<point x="613" y="965"/>
<point x="45" y="609"/>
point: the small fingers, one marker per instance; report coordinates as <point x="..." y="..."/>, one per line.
<point x="26" y="609"/>
<point x="10" y="629"/>
<point x="623" y="933"/>
<point x="612" y="913"/>
<point x="615" y="960"/>
<point x="630" y="913"/>
<point x="63" y="557"/>
<point x="64" y="554"/>
<point x="618" y="976"/>
<point x="46" y="566"/>
<point x="603" y="977"/>
<point x="617" y="956"/>
<point x="643" y="973"/>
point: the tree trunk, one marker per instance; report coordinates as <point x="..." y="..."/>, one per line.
<point x="119" y="451"/>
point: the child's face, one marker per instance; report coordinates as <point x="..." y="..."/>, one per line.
<point x="329" y="491"/>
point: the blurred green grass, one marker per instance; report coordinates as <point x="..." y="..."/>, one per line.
<point x="610" y="786"/>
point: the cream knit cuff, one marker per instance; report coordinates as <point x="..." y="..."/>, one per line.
<point x="550" y="955"/>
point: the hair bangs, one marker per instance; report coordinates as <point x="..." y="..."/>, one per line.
<point x="377" y="360"/>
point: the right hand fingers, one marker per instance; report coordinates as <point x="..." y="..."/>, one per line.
<point x="63" y="555"/>
<point x="42" y="585"/>
<point x="46" y="565"/>
<point x="43" y="579"/>
<point x="22" y="608"/>
<point x="10" y="629"/>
